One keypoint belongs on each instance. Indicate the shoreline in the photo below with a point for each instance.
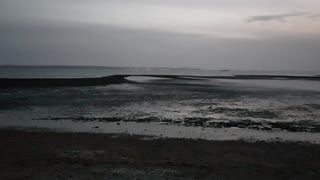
(50, 155)
(160, 130)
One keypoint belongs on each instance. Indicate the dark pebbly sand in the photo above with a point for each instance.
(49, 155)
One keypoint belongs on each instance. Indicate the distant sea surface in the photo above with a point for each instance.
(91, 71)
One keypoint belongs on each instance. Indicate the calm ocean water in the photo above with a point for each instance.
(86, 71)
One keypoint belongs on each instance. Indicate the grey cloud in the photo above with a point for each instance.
(315, 16)
(277, 17)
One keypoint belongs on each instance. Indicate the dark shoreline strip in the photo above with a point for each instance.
(62, 82)
(118, 79)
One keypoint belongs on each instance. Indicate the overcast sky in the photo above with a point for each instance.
(215, 34)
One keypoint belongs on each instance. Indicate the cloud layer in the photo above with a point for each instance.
(278, 17)
(194, 33)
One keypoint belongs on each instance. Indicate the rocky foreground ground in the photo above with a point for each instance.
(49, 155)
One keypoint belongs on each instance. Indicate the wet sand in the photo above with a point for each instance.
(49, 155)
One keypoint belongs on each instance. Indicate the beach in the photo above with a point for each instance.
(50, 155)
(159, 90)
(199, 126)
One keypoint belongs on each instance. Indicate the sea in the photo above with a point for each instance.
(96, 71)
(271, 109)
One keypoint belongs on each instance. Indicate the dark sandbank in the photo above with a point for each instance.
(61, 82)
